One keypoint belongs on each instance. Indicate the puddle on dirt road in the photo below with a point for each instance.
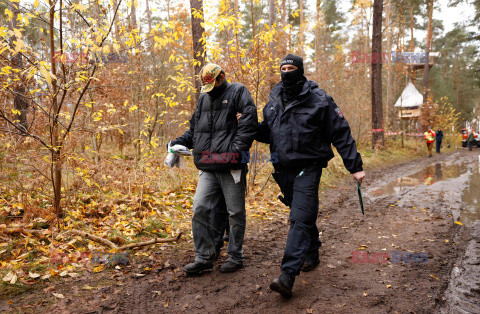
(471, 198)
(470, 213)
(427, 176)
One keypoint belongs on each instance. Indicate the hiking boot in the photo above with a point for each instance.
(311, 261)
(230, 267)
(283, 284)
(196, 267)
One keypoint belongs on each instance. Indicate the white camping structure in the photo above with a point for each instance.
(409, 103)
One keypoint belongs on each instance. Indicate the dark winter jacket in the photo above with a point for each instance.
(303, 132)
(216, 137)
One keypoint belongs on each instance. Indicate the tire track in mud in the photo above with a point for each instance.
(463, 293)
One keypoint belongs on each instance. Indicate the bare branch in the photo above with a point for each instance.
(24, 230)
(67, 130)
(150, 242)
(91, 237)
(94, 238)
(79, 14)
(264, 185)
(23, 132)
(113, 21)
(38, 105)
(38, 170)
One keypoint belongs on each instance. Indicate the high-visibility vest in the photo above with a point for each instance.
(428, 136)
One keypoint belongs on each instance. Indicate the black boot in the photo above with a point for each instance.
(230, 267)
(311, 261)
(283, 284)
(196, 268)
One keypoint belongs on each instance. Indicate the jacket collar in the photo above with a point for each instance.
(306, 90)
(275, 94)
(218, 91)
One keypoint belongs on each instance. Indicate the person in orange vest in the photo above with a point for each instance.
(429, 137)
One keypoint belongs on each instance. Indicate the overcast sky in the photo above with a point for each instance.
(449, 16)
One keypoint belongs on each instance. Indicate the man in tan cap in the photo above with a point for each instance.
(218, 140)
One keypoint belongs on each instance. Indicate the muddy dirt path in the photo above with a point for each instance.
(396, 258)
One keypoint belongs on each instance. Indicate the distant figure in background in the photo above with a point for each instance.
(438, 138)
(470, 140)
(429, 137)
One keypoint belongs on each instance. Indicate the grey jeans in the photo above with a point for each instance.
(211, 186)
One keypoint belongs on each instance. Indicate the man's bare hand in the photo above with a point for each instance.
(358, 176)
(239, 115)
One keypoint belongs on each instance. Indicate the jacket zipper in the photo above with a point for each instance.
(211, 122)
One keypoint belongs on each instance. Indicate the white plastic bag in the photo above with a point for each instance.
(175, 156)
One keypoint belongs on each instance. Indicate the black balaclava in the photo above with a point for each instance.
(217, 91)
(292, 82)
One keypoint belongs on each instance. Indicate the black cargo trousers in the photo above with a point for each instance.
(299, 186)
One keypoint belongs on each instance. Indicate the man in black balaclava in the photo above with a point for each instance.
(300, 123)
(292, 79)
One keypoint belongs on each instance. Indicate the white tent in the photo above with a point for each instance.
(410, 97)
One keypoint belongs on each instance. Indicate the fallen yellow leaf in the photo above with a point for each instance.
(98, 268)
(10, 277)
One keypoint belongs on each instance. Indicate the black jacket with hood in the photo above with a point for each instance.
(303, 131)
(216, 137)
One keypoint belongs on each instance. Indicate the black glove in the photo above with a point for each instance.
(285, 201)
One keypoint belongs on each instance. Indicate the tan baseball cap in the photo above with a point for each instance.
(208, 74)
